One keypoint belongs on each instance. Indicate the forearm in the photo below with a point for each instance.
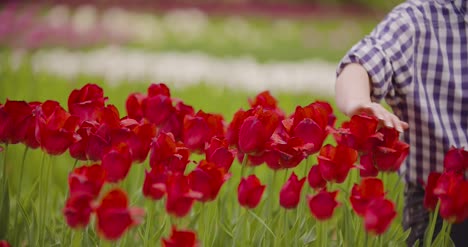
(353, 97)
(352, 89)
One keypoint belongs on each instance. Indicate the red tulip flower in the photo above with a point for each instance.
(256, 131)
(207, 180)
(310, 124)
(199, 129)
(452, 191)
(180, 197)
(363, 194)
(175, 121)
(87, 180)
(250, 191)
(288, 153)
(267, 101)
(117, 162)
(78, 209)
(367, 167)
(4, 243)
(456, 160)
(315, 178)
(114, 217)
(86, 102)
(290, 194)
(133, 106)
(322, 205)
(154, 185)
(218, 152)
(157, 106)
(389, 154)
(379, 215)
(55, 128)
(335, 162)
(359, 133)
(137, 136)
(18, 123)
(180, 239)
(168, 153)
(430, 199)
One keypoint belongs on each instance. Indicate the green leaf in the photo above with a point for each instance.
(310, 236)
(4, 209)
(261, 222)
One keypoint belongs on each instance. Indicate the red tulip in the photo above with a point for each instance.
(180, 197)
(199, 129)
(335, 162)
(363, 194)
(117, 162)
(78, 209)
(379, 215)
(218, 152)
(180, 239)
(267, 101)
(157, 106)
(18, 123)
(232, 133)
(288, 153)
(168, 153)
(456, 160)
(359, 133)
(175, 122)
(315, 178)
(310, 124)
(137, 136)
(323, 204)
(87, 180)
(86, 102)
(367, 168)
(113, 215)
(290, 194)
(4, 243)
(154, 185)
(207, 180)
(55, 128)
(390, 153)
(430, 199)
(250, 191)
(452, 191)
(256, 131)
(133, 106)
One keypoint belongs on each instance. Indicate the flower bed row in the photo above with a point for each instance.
(171, 135)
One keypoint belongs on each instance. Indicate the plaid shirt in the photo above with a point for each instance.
(417, 59)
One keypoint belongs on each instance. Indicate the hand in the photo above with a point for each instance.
(387, 118)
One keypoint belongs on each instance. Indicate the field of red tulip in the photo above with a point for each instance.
(165, 173)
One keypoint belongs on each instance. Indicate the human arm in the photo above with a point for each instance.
(352, 94)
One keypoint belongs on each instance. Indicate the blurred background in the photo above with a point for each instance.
(47, 48)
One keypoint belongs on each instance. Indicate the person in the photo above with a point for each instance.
(417, 60)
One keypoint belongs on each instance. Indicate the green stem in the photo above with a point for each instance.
(20, 184)
(44, 195)
(244, 164)
(40, 226)
(432, 224)
(148, 223)
(5, 165)
(448, 231)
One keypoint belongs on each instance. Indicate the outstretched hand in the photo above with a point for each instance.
(385, 117)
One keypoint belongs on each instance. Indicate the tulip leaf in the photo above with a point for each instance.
(310, 236)
(4, 209)
(261, 222)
